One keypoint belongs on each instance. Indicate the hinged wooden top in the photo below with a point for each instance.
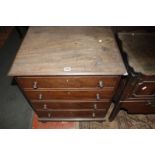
(68, 51)
(140, 49)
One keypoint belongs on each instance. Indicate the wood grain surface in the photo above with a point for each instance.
(143, 107)
(105, 93)
(68, 51)
(72, 114)
(93, 105)
(67, 82)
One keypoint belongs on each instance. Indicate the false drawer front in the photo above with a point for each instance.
(71, 105)
(71, 114)
(144, 89)
(69, 94)
(145, 107)
(67, 82)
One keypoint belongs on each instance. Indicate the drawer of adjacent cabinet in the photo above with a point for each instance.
(70, 94)
(144, 89)
(67, 82)
(72, 114)
(145, 107)
(71, 105)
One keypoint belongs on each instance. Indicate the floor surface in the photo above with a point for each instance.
(14, 110)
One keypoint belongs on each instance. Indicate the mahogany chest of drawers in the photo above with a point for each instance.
(68, 73)
(137, 91)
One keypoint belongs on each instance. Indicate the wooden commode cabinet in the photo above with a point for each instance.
(137, 90)
(68, 73)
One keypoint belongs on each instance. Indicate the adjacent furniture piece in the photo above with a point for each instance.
(136, 92)
(69, 73)
(5, 32)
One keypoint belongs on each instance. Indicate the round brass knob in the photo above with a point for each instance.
(101, 84)
(40, 96)
(95, 106)
(93, 114)
(97, 96)
(45, 106)
(35, 85)
(49, 115)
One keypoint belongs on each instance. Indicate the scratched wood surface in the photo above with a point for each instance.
(140, 49)
(68, 51)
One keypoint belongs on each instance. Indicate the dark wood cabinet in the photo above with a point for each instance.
(69, 73)
(137, 91)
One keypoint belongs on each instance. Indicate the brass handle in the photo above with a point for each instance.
(45, 106)
(40, 96)
(93, 114)
(49, 115)
(35, 85)
(95, 106)
(101, 84)
(97, 96)
(144, 87)
(140, 83)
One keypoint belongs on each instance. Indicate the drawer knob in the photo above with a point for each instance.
(35, 85)
(95, 106)
(93, 114)
(101, 84)
(97, 96)
(45, 106)
(40, 96)
(49, 115)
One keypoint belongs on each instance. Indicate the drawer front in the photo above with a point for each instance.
(67, 82)
(69, 95)
(145, 107)
(70, 105)
(143, 89)
(71, 114)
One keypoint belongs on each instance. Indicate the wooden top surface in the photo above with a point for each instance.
(140, 49)
(68, 51)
